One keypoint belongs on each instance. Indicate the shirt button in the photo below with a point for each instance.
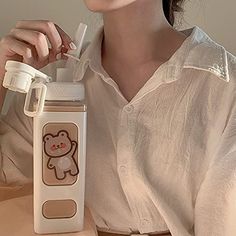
(123, 170)
(129, 108)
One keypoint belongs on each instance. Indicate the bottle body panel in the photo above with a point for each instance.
(59, 171)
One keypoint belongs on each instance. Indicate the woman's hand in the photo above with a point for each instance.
(34, 42)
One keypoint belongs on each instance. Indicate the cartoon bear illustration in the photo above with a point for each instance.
(60, 150)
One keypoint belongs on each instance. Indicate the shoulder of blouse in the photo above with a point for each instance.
(200, 52)
(203, 53)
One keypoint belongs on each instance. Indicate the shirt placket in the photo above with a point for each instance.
(126, 164)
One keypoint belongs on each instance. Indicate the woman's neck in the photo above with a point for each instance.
(139, 33)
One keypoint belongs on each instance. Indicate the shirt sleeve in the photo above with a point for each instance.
(215, 206)
(16, 143)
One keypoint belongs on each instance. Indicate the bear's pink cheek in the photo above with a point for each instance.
(63, 145)
(53, 147)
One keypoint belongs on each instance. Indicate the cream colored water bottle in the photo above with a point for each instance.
(59, 159)
(59, 146)
(59, 141)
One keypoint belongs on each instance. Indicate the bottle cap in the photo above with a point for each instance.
(18, 76)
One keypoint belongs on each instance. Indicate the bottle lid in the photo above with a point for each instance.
(65, 91)
(18, 76)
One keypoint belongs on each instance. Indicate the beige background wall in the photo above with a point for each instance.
(216, 17)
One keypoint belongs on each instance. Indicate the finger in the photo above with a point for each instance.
(46, 27)
(12, 46)
(64, 50)
(53, 57)
(57, 37)
(35, 38)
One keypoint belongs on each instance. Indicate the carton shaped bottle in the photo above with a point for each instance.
(59, 159)
(59, 146)
(60, 120)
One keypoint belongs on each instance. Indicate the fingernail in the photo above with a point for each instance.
(28, 54)
(72, 46)
(58, 56)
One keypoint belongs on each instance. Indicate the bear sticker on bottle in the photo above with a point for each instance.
(60, 153)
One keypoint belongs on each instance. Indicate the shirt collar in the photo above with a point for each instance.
(198, 51)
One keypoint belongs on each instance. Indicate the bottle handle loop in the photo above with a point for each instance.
(31, 108)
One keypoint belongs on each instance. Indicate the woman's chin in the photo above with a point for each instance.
(106, 5)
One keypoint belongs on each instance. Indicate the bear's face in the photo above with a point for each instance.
(58, 145)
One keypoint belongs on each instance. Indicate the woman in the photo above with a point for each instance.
(160, 151)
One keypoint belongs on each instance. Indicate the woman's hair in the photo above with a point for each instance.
(171, 6)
